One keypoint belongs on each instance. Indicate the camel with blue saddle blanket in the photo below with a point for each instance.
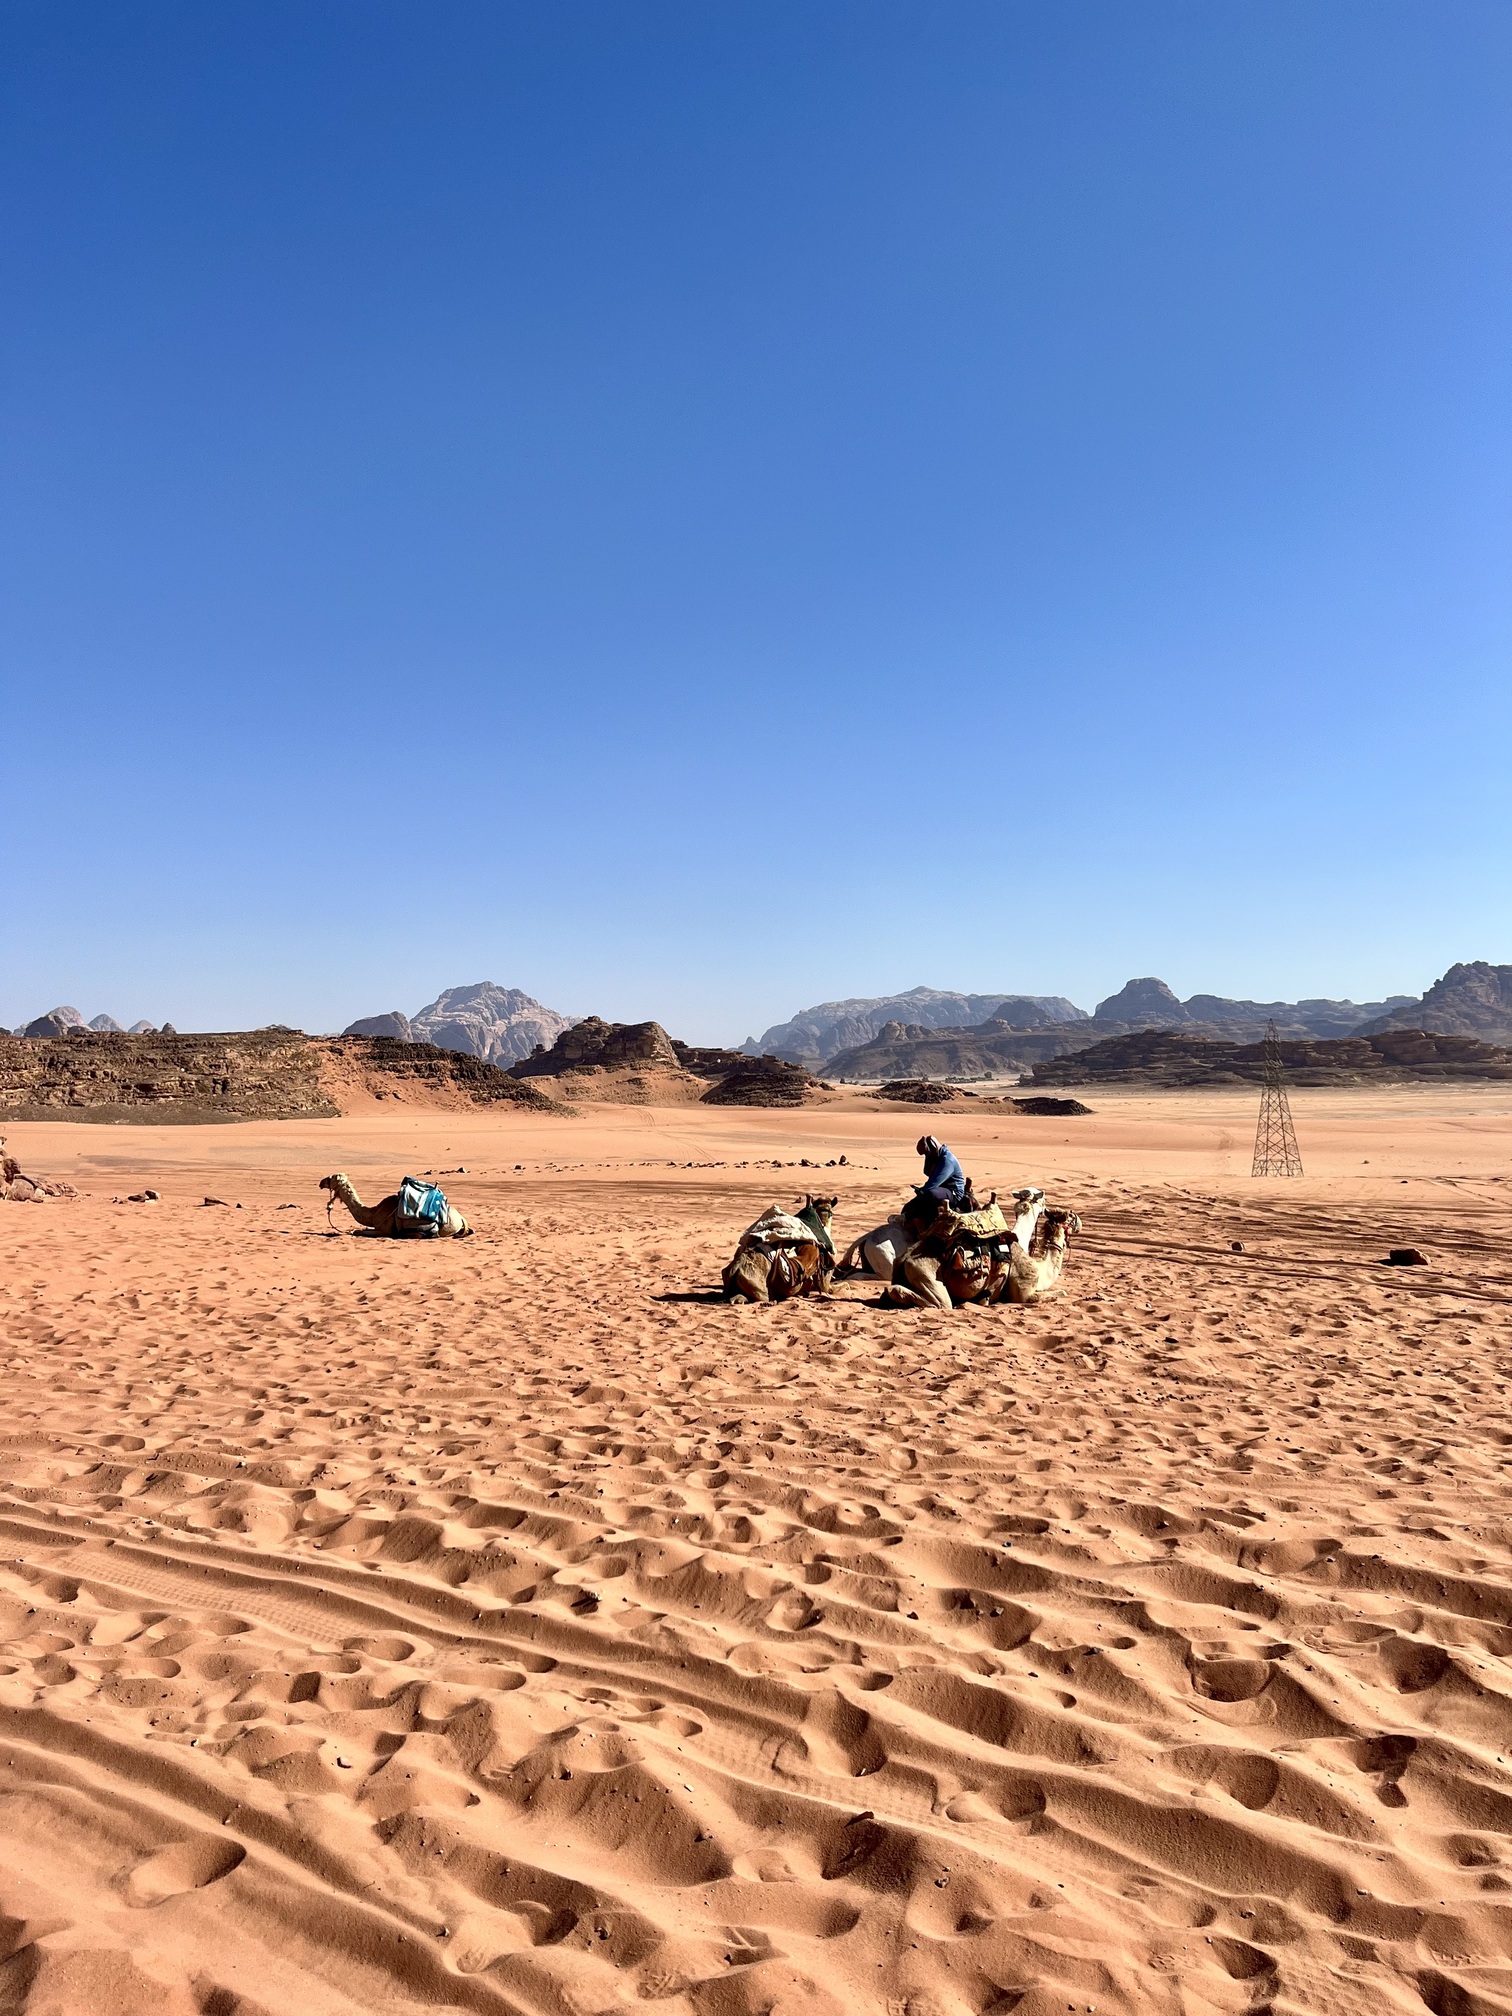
(417, 1210)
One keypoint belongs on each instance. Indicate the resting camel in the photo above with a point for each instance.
(878, 1251)
(945, 1269)
(380, 1217)
(784, 1254)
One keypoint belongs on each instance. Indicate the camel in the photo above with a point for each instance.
(1034, 1268)
(879, 1251)
(381, 1217)
(944, 1270)
(784, 1254)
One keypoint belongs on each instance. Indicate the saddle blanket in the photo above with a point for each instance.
(988, 1224)
(776, 1227)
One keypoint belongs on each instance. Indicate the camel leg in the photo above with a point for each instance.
(923, 1275)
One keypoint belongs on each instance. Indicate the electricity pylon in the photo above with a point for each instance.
(1276, 1151)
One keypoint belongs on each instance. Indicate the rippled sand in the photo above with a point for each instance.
(509, 1626)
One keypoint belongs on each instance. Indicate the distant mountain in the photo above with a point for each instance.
(1150, 1004)
(816, 1034)
(499, 1024)
(396, 1024)
(56, 1022)
(991, 1049)
(1012, 1040)
(1172, 1057)
(1470, 1000)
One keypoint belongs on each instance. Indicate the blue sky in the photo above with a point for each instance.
(696, 509)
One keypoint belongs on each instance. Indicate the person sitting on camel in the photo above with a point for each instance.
(944, 1183)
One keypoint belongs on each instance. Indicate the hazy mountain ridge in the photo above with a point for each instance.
(1020, 1030)
(1151, 1004)
(816, 1034)
(59, 1021)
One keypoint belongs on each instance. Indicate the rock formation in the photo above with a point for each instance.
(762, 1081)
(56, 1022)
(1473, 999)
(499, 1024)
(269, 1074)
(395, 1024)
(596, 1045)
(1175, 1058)
(1142, 1004)
(816, 1034)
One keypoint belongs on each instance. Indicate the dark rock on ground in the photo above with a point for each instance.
(916, 1092)
(762, 1081)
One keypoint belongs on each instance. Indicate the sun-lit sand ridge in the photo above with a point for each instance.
(505, 1627)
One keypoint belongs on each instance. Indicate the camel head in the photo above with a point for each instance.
(823, 1208)
(1055, 1227)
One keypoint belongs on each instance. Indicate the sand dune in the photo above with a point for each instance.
(512, 1627)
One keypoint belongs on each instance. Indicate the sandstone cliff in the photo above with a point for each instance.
(263, 1074)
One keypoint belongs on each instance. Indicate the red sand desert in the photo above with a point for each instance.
(507, 1626)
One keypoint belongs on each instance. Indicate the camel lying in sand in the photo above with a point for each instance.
(879, 1251)
(784, 1254)
(382, 1216)
(944, 1270)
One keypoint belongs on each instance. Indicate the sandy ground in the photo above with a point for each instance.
(510, 1626)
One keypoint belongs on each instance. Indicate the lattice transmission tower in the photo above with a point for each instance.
(1276, 1151)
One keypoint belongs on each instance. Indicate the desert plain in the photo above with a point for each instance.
(511, 1626)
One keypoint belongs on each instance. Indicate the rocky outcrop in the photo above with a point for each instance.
(56, 1022)
(1142, 1004)
(395, 1025)
(708, 1063)
(1172, 1057)
(261, 1074)
(1473, 999)
(763, 1081)
(106, 1025)
(596, 1045)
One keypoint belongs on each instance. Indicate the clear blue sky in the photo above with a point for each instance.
(695, 509)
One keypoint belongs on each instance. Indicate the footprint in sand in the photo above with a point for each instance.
(182, 1865)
